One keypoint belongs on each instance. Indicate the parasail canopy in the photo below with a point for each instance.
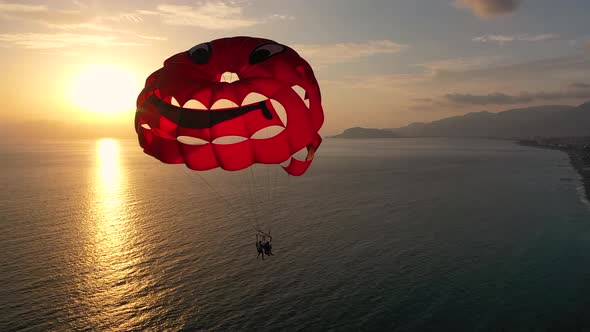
(231, 103)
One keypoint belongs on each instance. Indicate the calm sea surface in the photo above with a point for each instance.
(392, 235)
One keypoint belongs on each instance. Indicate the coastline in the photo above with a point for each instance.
(577, 149)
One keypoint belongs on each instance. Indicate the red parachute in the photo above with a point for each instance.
(231, 103)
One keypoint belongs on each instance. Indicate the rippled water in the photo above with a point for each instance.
(404, 235)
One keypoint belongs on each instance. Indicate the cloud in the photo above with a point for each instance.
(40, 14)
(62, 40)
(80, 22)
(71, 27)
(21, 8)
(490, 75)
(488, 8)
(210, 15)
(499, 98)
(569, 68)
(461, 64)
(327, 54)
(579, 85)
(282, 17)
(502, 39)
(98, 25)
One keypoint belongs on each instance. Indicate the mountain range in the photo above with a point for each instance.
(546, 121)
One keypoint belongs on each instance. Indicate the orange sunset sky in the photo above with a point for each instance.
(78, 65)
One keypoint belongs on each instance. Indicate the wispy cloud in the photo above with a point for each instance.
(422, 100)
(570, 68)
(79, 25)
(41, 14)
(75, 27)
(499, 98)
(462, 64)
(327, 54)
(488, 8)
(282, 17)
(503, 39)
(100, 25)
(493, 76)
(62, 40)
(210, 15)
(21, 8)
(580, 85)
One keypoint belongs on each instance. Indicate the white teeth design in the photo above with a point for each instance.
(253, 98)
(229, 77)
(268, 132)
(301, 92)
(146, 126)
(189, 140)
(195, 105)
(229, 140)
(281, 112)
(301, 155)
(223, 103)
(174, 102)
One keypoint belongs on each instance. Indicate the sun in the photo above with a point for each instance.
(103, 88)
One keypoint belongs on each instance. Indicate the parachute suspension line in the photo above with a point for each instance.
(271, 193)
(273, 176)
(269, 188)
(187, 172)
(253, 195)
(231, 206)
(272, 205)
(202, 179)
(250, 184)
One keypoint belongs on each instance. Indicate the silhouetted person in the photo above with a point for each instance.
(259, 248)
(268, 249)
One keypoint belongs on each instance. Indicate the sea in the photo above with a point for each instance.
(424, 234)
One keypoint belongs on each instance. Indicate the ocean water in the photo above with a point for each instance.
(379, 235)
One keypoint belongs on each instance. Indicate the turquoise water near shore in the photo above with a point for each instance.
(386, 234)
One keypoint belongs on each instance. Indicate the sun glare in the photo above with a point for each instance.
(108, 161)
(105, 89)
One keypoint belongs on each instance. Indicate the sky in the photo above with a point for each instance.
(379, 63)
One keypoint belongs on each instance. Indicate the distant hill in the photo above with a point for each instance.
(549, 120)
(358, 132)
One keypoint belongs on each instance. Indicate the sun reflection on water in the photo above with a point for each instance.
(109, 196)
(111, 286)
(107, 160)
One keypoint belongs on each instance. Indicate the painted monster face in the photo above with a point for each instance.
(230, 103)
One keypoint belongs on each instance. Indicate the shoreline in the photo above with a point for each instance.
(578, 152)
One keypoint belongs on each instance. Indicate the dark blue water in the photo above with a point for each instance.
(393, 235)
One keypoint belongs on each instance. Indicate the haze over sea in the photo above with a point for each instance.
(392, 234)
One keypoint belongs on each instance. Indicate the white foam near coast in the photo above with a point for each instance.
(581, 189)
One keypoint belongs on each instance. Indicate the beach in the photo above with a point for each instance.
(578, 149)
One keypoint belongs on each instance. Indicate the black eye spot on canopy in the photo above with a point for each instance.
(265, 51)
(201, 53)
